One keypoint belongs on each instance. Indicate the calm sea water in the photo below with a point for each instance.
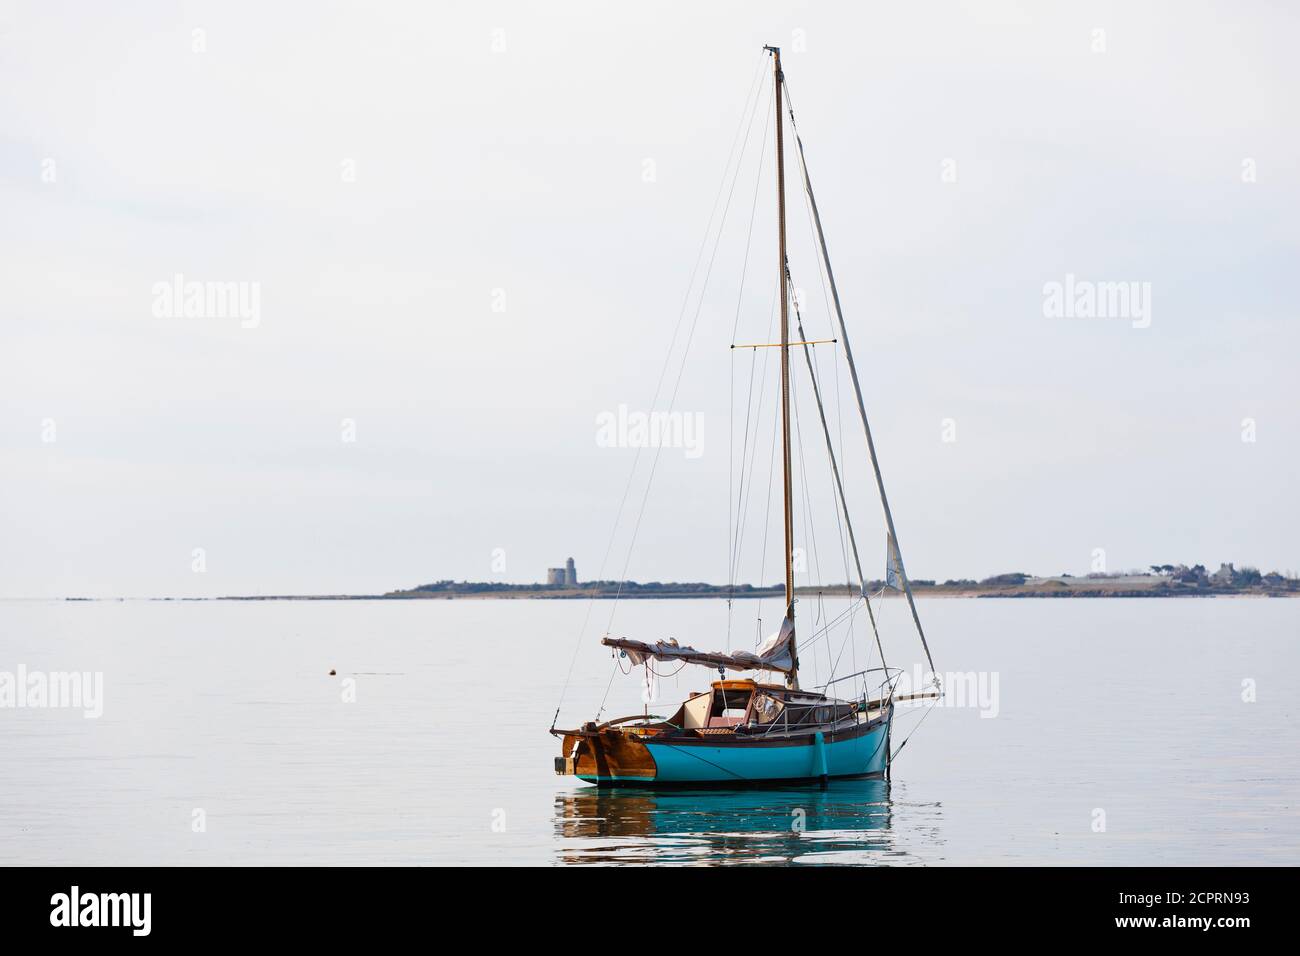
(1127, 712)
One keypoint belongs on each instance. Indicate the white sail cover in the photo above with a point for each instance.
(893, 565)
(772, 655)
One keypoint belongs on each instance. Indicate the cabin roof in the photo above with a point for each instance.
(741, 683)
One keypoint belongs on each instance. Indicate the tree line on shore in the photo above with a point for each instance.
(1168, 577)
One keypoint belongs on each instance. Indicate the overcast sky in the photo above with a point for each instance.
(472, 227)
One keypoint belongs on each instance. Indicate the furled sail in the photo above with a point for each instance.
(772, 655)
(894, 574)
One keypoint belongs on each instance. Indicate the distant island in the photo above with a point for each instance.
(1160, 580)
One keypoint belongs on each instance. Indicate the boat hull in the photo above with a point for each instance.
(742, 762)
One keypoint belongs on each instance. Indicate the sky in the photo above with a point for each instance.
(471, 230)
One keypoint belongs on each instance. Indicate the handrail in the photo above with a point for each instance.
(799, 730)
(869, 670)
(623, 720)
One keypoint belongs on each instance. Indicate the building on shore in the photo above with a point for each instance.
(565, 577)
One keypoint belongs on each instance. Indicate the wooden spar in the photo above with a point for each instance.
(839, 485)
(777, 345)
(664, 651)
(857, 386)
(792, 679)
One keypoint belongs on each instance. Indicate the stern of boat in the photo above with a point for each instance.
(605, 756)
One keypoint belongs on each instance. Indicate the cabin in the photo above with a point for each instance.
(748, 707)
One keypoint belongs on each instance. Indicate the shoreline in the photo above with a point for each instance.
(1025, 593)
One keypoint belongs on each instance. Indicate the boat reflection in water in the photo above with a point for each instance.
(848, 821)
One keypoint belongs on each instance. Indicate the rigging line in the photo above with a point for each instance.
(742, 515)
(618, 517)
(680, 667)
(677, 383)
(604, 697)
(912, 733)
(839, 522)
(839, 430)
(814, 369)
(826, 633)
(731, 431)
(815, 373)
(821, 269)
(883, 604)
(857, 389)
(839, 424)
(830, 625)
(838, 657)
(805, 507)
(839, 484)
(687, 750)
(742, 506)
(742, 491)
(767, 523)
(753, 211)
(810, 532)
(821, 613)
(740, 293)
(754, 408)
(808, 210)
(853, 646)
(821, 277)
(839, 433)
(738, 476)
(884, 739)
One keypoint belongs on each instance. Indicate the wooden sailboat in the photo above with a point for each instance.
(750, 731)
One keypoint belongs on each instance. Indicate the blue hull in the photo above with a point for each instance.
(750, 762)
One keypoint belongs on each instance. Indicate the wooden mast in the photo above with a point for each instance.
(792, 679)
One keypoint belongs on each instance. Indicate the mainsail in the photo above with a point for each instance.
(774, 654)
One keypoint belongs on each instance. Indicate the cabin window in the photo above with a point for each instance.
(801, 714)
(730, 703)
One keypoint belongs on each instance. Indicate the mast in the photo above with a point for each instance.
(857, 386)
(792, 679)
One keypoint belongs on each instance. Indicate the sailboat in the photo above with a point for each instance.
(748, 731)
